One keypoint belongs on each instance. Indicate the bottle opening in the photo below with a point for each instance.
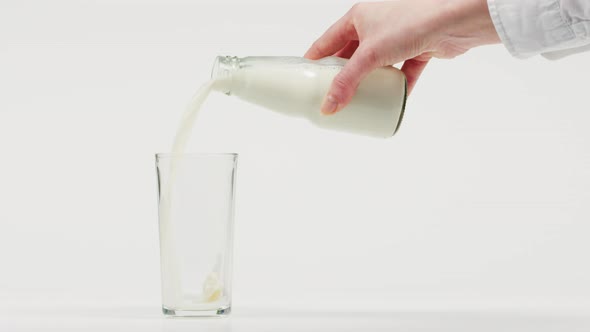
(223, 68)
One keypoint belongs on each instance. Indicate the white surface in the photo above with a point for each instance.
(479, 202)
(118, 317)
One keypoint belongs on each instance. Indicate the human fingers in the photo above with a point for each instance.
(348, 50)
(334, 39)
(347, 80)
(413, 68)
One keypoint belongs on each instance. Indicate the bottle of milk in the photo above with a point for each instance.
(297, 86)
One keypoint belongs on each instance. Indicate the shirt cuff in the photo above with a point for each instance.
(556, 55)
(531, 27)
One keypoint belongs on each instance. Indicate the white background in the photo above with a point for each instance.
(480, 202)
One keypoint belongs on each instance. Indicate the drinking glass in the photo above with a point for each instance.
(196, 213)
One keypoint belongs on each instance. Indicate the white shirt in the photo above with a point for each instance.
(553, 28)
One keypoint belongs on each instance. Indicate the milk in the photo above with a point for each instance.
(189, 117)
(290, 86)
(170, 267)
(296, 87)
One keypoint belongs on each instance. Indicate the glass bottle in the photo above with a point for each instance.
(296, 87)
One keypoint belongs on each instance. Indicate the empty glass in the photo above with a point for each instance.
(196, 208)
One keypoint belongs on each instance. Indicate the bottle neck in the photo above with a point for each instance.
(223, 69)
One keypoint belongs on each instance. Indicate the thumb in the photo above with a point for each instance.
(347, 80)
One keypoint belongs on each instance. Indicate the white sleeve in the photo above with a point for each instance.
(553, 28)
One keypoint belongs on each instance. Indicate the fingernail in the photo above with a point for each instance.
(330, 105)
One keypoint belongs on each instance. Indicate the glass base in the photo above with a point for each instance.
(219, 312)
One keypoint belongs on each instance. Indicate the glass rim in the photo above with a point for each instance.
(195, 154)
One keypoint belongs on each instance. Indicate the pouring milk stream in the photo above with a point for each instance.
(294, 87)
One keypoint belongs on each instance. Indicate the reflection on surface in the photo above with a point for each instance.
(244, 319)
(455, 321)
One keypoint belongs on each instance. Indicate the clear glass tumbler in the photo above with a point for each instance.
(196, 213)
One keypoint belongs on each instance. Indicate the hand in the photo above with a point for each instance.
(379, 34)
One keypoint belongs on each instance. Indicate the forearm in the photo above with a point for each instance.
(469, 20)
